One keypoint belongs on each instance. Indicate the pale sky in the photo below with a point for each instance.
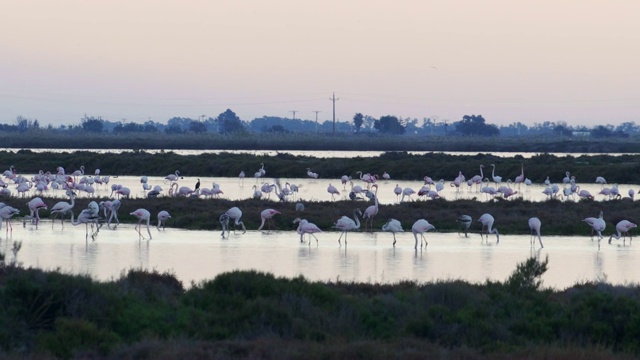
(513, 60)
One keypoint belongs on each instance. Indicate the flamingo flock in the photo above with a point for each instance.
(78, 182)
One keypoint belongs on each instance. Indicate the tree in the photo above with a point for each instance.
(601, 132)
(475, 125)
(358, 120)
(229, 122)
(91, 124)
(389, 125)
(197, 127)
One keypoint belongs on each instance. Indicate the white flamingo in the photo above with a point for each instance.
(487, 223)
(393, 226)
(420, 227)
(345, 224)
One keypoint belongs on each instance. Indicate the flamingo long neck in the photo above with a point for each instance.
(493, 171)
(355, 217)
(481, 175)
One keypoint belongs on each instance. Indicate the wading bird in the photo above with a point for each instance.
(622, 229)
(487, 223)
(420, 227)
(305, 227)
(267, 217)
(345, 224)
(534, 225)
(142, 215)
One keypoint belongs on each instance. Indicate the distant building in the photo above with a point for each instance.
(581, 133)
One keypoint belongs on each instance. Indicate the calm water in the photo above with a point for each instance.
(312, 153)
(314, 189)
(200, 255)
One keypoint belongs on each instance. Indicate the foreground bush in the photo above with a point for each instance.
(149, 315)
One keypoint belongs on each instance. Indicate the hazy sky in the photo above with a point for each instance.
(528, 61)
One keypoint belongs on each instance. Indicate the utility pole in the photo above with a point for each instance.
(294, 113)
(445, 127)
(316, 111)
(333, 99)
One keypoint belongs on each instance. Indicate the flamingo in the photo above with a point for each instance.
(6, 213)
(477, 179)
(241, 177)
(154, 192)
(235, 214)
(398, 191)
(111, 208)
(90, 215)
(163, 216)
(344, 180)
(496, 179)
(420, 227)
(622, 228)
(173, 177)
(260, 173)
(305, 227)
(77, 173)
(311, 174)
(267, 217)
(371, 211)
(465, 221)
(487, 223)
(386, 176)
(224, 222)
(393, 226)
(534, 225)
(600, 180)
(567, 178)
(345, 224)
(520, 178)
(597, 225)
(62, 208)
(142, 215)
(407, 192)
(257, 194)
(34, 206)
(333, 191)
(356, 189)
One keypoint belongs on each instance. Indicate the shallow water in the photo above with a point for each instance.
(314, 189)
(371, 258)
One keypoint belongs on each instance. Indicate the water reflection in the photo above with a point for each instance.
(194, 256)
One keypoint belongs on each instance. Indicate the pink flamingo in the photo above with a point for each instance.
(622, 228)
(371, 211)
(520, 178)
(35, 205)
(142, 215)
(62, 208)
(305, 227)
(6, 213)
(267, 217)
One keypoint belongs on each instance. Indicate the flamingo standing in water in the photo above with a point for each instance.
(6, 213)
(597, 225)
(520, 178)
(371, 211)
(333, 191)
(622, 229)
(465, 221)
(393, 226)
(496, 179)
(305, 227)
(163, 216)
(142, 215)
(487, 223)
(62, 208)
(267, 217)
(235, 214)
(311, 174)
(345, 224)
(173, 177)
(534, 225)
(420, 227)
(34, 206)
